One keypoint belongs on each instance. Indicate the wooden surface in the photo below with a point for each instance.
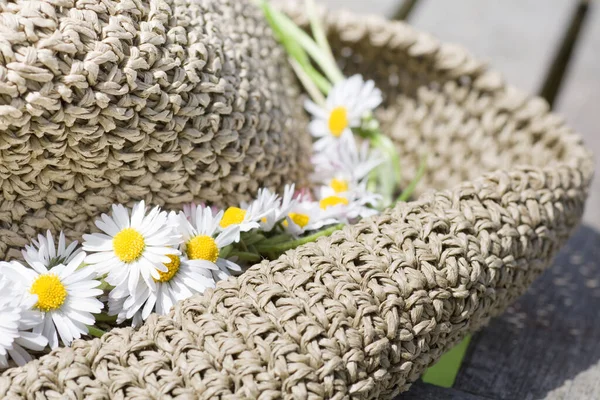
(423, 391)
(387, 8)
(517, 37)
(580, 100)
(547, 345)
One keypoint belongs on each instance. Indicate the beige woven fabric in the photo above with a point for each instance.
(170, 101)
(362, 313)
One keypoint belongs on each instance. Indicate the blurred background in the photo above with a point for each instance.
(546, 345)
(545, 47)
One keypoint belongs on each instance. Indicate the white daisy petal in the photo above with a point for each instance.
(15, 323)
(318, 128)
(149, 306)
(49, 331)
(121, 216)
(107, 225)
(171, 285)
(97, 242)
(202, 264)
(32, 341)
(72, 266)
(19, 355)
(221, 262)
(64, 333)
(315, 110)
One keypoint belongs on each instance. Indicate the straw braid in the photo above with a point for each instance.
(359, 314)
(362, 313)
(117, 101)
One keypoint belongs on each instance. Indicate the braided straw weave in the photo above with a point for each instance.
(362, 313)
(105, 101)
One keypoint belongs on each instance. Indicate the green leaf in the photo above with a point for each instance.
(95, 332)
(444, 372)
(313, 89)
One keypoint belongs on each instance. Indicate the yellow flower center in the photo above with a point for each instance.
(50, 291)
(232, 216)
(339, 185)
(332, 201)
(338, 121)
(128, 245)
(299, 219)
(202, 247)
(172, 268)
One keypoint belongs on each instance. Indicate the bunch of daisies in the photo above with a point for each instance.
(142, 260)
(342, 110)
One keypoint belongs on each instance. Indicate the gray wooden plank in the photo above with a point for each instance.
(546, 345)
(423, 391)
(580, 100)
(518, 37)
(387, 8)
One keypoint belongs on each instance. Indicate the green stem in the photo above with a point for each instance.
(312, 88)
(95, 332)
(105, 285)
(319, 80)
(304, 69)
(225, 251)
(406, 193)
(280, 248)
(388, 173)
(317, 30)
(286, 27)
(109, 319)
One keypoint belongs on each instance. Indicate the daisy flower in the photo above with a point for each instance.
(183, 279)
(66, 297)
(307, 216)
(16, 321)
(44, 251)
(131, 246)
(344, 108)
(249, 216)
(203, 240)
(279, 209)
(346, 166)
(350, 204)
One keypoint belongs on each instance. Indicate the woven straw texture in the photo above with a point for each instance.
(107, 101)
(362, 313)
